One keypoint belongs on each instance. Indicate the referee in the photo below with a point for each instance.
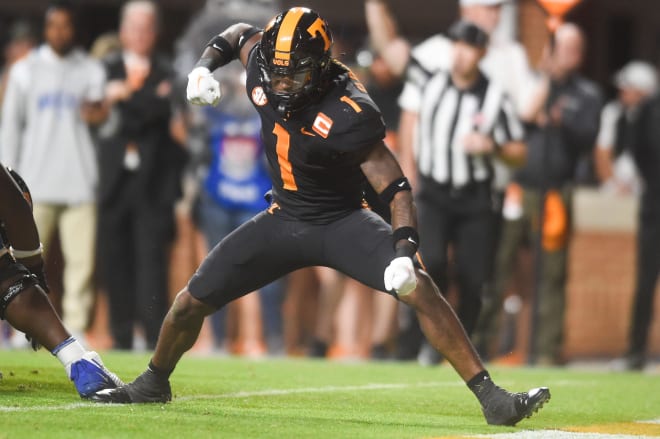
(464, 123)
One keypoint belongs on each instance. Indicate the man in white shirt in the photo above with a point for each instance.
(615, 165)
(52, 96)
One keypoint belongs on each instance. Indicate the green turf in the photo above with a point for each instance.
(232, 398)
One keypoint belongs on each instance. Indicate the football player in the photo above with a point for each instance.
(324, 138)
(23, 300)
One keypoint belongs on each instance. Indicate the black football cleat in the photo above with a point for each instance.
(506, 408)
(146, 388)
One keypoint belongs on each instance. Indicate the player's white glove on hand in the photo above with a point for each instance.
(202, 88)
(400, 276)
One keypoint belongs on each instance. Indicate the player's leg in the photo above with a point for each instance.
(257, 253)
(45, 217)
(444, 331)
(27, 308)
(361, 247)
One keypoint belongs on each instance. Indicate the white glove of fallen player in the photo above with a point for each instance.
(202, 88)
(400, 276)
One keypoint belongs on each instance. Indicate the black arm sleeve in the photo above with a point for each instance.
(226, 47)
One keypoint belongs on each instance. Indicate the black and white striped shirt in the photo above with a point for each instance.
(446, 115)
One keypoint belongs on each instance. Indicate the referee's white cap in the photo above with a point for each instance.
(481, 2)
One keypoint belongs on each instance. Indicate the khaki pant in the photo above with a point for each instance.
(552, 284)
(76, 225)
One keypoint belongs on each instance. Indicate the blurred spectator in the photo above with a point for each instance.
(384, 87)
(51, 97)
(21, 41)
(214, 15)
(505, 61)
(646, 150)
(463, 122)
(615, 165)
(139, 180)
(563, 120)
(229, 168)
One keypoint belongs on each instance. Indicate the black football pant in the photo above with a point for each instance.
(269, 246)
(648, 270)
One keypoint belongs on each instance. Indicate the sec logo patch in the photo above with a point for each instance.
(259, 96)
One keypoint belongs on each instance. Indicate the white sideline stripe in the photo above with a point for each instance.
(270, 392)
(241, 394)
(326, 389)
(557, 434)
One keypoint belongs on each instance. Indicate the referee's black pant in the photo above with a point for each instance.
(462, 219)
(648, 270)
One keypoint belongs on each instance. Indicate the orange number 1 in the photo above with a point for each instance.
(283, 144)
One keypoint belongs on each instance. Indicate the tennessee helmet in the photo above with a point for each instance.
(294, 57)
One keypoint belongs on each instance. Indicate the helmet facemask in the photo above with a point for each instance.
(292, 89)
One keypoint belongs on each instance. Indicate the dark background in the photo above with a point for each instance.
(617, 30)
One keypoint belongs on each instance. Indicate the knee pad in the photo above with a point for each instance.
(24, 281)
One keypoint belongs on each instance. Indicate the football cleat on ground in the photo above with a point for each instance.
(506, 408)
(145, 388)
(89, 375)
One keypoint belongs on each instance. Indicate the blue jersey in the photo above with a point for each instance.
(237, 176)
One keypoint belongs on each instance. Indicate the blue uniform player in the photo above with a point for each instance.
(23, 300)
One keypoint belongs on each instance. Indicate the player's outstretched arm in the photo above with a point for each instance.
(385, 176)
(233, 43)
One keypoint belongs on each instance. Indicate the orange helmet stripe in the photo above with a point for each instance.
(285, 34)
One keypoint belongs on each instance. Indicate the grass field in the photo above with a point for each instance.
(288, 398)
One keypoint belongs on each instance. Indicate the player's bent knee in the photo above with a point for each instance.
(186, 307)
(425, 292)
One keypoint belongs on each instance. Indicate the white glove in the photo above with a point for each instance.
(400, 276)
(202, 88)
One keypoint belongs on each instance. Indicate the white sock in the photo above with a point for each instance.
(69, 351)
